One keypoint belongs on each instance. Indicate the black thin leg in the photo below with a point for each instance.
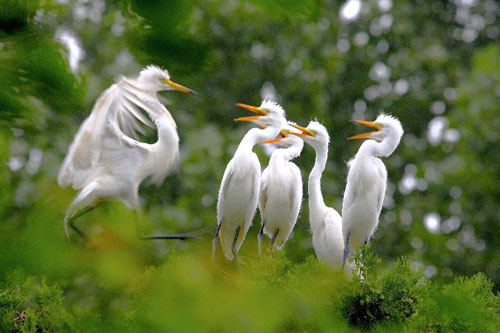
(77, 230)
(214, 242)
(259, 236)
(184, 236)
(346, 248)
(71, 221)
(233, 246)
(276, 232)
(180, 236)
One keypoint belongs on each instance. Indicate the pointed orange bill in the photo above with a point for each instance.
(272, 140)
(249, 118)
(360, 136)
(305, 131)
(370, 124)
(251, 108)
(178, 87)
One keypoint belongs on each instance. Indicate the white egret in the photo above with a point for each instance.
(239, 190)
(280, 190)
(106, 159)
(326, 223)
(366, 180)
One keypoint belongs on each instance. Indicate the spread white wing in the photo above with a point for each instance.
(96, 145)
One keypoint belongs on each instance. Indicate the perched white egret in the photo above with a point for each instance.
(326, 223)
(106, 159)
(366, 180)
(280, 190)
(239, 190)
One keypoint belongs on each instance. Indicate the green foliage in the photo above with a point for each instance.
(364, 262)
(189, 292)
(466, 305)
(14, 14)
(163, 32)
(31, 305)
(399, 287)
(373, 299)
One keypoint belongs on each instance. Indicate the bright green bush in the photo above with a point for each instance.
(32, 305)
(466, 305)
(372, 299)
(190, 293)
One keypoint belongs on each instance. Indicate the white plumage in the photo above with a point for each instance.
(239, 190)
(326, 223)
(106, 159)
(366, 181)
(281, 191)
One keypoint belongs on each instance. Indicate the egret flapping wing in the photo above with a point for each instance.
(132, 115)
(111, 156)
(83, 153)
(120, 104)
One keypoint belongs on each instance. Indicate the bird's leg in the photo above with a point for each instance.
(69, 220)
(276, 232)
(259, 236)
(233, 246)
(346, 248)
(75, 228)
(182, 236)
(214, 241)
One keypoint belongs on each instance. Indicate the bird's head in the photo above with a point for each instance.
(156, 79)
(288, 137)
(268, 114)
(315, 134)
(384, 126)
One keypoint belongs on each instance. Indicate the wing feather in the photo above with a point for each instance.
(83, 153)
(119, 103)
(263, 191)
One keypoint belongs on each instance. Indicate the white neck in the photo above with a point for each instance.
(256, 135)
(286, 154)
(379, 149)
(316, 202)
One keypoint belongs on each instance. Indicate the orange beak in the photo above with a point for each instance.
(272, 141)
(249, 118)
(370, 124)
(178, 87)
(305, 131)
(250, 108)
(282, 135)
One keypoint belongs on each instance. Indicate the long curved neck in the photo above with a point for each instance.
(316, 202)
(286, 154)
(379, 149)
(256, 135)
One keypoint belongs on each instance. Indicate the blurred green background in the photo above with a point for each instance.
(433, 64)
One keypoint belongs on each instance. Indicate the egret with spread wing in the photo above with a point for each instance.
(280, 190)
(326, 223)
(239, 190)
(106, 159)
(366, 180)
